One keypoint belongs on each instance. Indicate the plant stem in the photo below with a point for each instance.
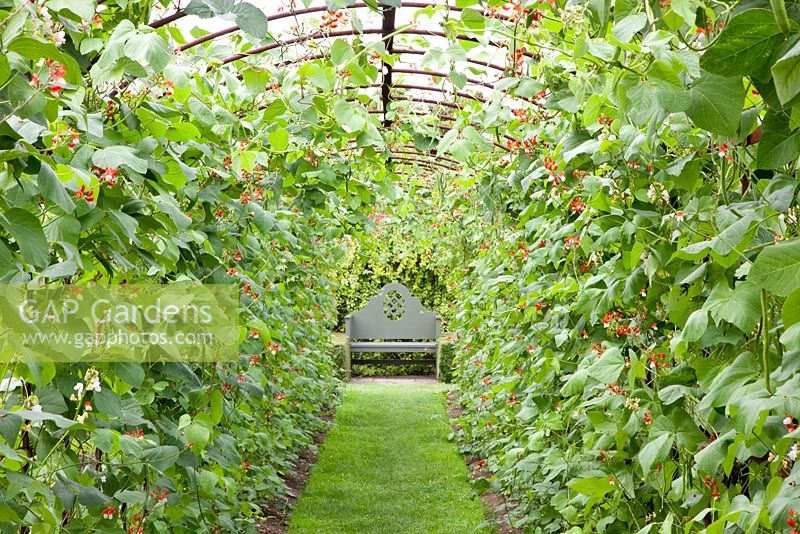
(781, 17)
(765, 338)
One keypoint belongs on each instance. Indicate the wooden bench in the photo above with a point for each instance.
(393, 314)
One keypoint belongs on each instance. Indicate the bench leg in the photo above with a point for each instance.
(348, 364)
(438, 358)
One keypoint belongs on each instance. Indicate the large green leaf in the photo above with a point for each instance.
(745, 45)
(27, 231)
(161, 457)
(709, 459)
(740, 306)
(52, 188)
(786, 74)
(695, 326)
(116, 156)
(608, 367)
(111, 63)
(716, 103)
(594, 486)
(249, 18)
(149, 49)
(655, 451)
(791, 337)
(625, 29)
(791, 309)
(34, 49)
(279, 140)
(32, 415)
(777, 268)
(5, 69)
(83, 8)
(778, 145)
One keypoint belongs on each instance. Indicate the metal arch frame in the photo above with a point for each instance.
(424, 162)
(435, 74)
(414, 152)
(428, 155)
(411, 51)
(432, 74)
(439, 117)
(415, 87)
(395, 51)
(446, 118)
(429, 165)
(292, 13)
(352, 33)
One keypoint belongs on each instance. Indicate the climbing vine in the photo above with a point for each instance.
(617, 246)
(629, 318)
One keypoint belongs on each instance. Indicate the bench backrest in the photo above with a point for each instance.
(394, 313)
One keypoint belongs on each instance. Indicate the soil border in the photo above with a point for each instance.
(498, 507)
(277, 512)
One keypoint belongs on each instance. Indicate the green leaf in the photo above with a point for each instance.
(791, 337)
(710, 458)
(593, 486)
(744, 46)
(116, 156)
(655, 451)
(53, 190)
(5, 69)
(27, 231)
(459, 79)
(626, 28)
(686, 9)
(131, 496)
(184, 131)
(30, 415)
(59, 270)
(729, 380)
(786, 74)
(740, 306)
(216, 404)
(34, 49)
(131, 373)
(42, 372)
(348, 117)
(716, 103)
(673, 393)
(108, 403)
(106, 440)
(161, 457)
(83, 8)
(201, 112)
(777, 268)
(149, 49)
(279, 140)
(791, 309)
(251, 20)
(695, 326)
(607, 368)
(341, 52)
(778, 145)
(111, 63)
(198, 435)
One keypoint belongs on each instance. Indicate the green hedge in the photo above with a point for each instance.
(390, 254)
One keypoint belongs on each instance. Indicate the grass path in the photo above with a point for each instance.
(386, 467)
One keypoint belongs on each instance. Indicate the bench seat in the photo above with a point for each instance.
(394, 346)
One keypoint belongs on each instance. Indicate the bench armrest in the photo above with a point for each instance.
(438, 326)
(347, 322)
